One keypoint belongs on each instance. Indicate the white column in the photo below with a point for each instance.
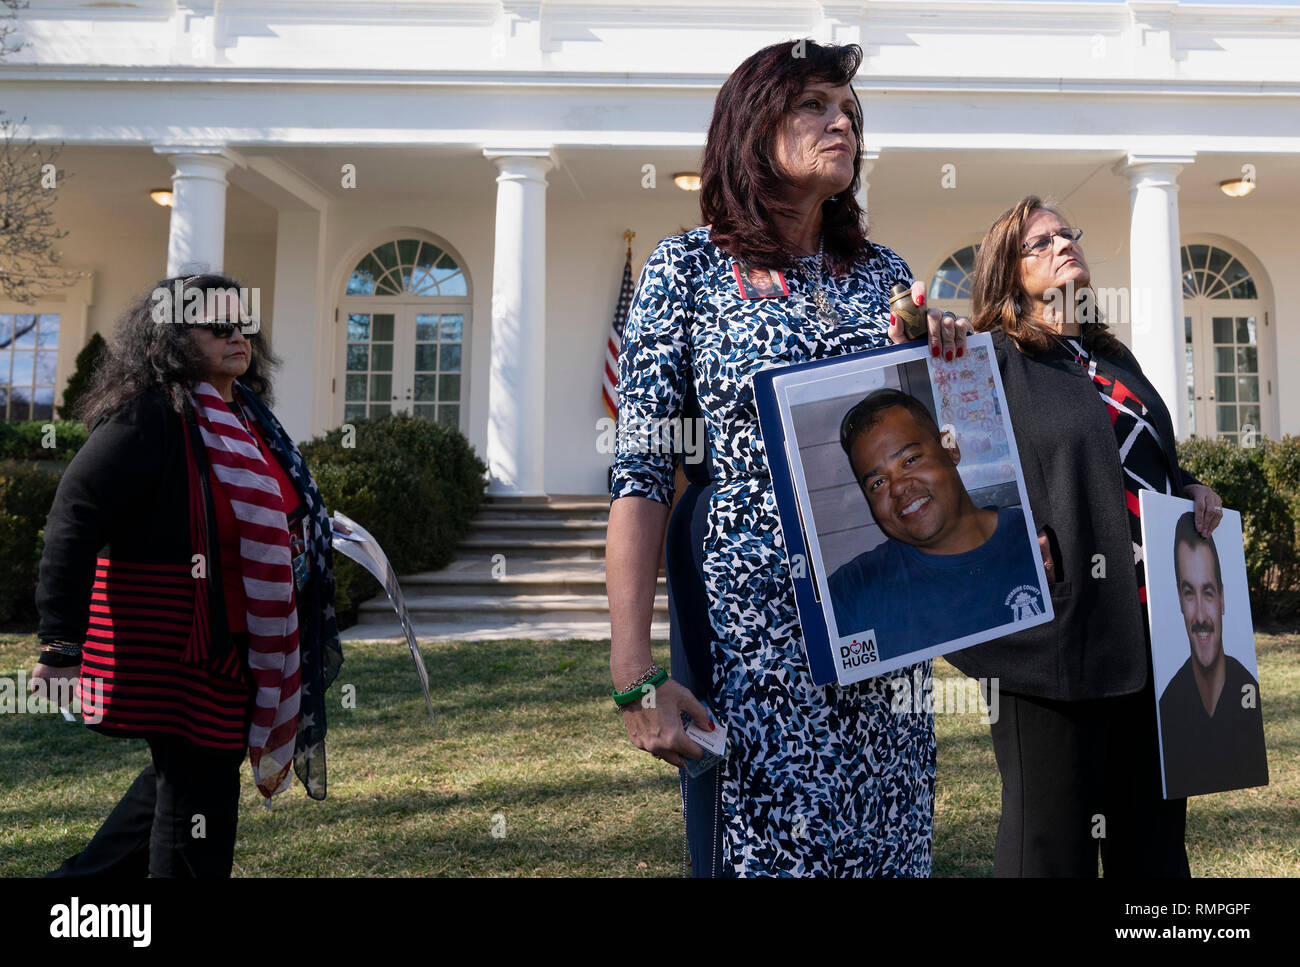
(304, 326)
(197, 238)
(1155, 276)
(869, 158)
(517, 381)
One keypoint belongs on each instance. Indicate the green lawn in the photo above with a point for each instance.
(526, 771)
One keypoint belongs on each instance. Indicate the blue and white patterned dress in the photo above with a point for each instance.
(819, 781)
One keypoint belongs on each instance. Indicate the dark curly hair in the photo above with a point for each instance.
(740, 186)
(150, 351)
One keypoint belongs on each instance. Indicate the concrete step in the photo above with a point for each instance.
(540, 627)
(547, 530)
(484, 521)
(555, 582)
(428, 606)
(532, 556)
(597, 506)
(504, 545)
(545, 512)
(527, 559)
(553, 587)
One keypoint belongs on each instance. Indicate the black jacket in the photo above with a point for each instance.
(125, 496)
(1096, 646)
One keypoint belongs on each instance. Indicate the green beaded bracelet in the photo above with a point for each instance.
(654, 676)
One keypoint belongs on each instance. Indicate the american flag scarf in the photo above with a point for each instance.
(267, 566)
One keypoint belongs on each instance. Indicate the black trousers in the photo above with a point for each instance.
(177, 819)
(1083, 777)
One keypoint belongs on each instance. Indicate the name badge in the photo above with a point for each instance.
(300, 548)
(756, 283)
(301, 569)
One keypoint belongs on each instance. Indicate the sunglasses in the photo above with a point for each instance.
(1039, 243)
(222, 330)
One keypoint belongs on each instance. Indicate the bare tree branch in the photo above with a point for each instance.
(29, 263)
(9, 27)
(18, 333)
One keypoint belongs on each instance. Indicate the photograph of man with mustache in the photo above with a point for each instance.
(947, 568)
(1211, 727)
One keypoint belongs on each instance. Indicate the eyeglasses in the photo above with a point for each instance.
(1037, 244)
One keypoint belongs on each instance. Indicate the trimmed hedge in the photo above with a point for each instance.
(26, 439)
(1263, 483)
(90, 358)
(415, 485)
(26, 493)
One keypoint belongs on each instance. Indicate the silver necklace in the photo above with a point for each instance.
(827, 317)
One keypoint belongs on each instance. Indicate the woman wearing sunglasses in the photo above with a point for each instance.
(187, 582)
(1075, 737)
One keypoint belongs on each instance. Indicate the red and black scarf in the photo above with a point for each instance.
(1141, 456)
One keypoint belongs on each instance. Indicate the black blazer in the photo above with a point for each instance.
(1096, 646)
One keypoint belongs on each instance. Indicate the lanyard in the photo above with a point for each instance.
(1081, 356)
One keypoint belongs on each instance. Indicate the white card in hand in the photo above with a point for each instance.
(715, 741)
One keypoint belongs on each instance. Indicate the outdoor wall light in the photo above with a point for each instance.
(162, 196)
(1237, 187)
(687, 181)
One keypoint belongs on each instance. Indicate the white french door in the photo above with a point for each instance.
(403, 359)
(1226, 391)
(1228, 349)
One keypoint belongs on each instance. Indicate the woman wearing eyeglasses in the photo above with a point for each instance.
(1075, 737)
(187, 582)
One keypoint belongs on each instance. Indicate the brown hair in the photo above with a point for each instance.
(740, 186)
(997, 297)
(1185, 532)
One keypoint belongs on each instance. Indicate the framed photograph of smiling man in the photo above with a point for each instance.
(902, 506)
(1202, 651)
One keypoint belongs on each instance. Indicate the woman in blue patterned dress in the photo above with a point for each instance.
(818, 781)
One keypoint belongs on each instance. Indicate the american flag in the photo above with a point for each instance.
(609, 383)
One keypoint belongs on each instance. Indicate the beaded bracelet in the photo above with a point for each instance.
(69, 648)
(59, 654)
(654, 676)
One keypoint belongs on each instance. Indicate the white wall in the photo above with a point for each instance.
(127, 257)
(584, 273)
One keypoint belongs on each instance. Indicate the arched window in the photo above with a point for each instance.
(407, 266)
(1212, 273)
(406, 310)
(952, 280)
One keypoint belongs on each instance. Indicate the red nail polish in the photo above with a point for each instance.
(891, 319)
(960, 351)
(921, 300)
(948, 355)
(934, 350)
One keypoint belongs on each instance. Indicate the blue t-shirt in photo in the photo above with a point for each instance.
(913, 600)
